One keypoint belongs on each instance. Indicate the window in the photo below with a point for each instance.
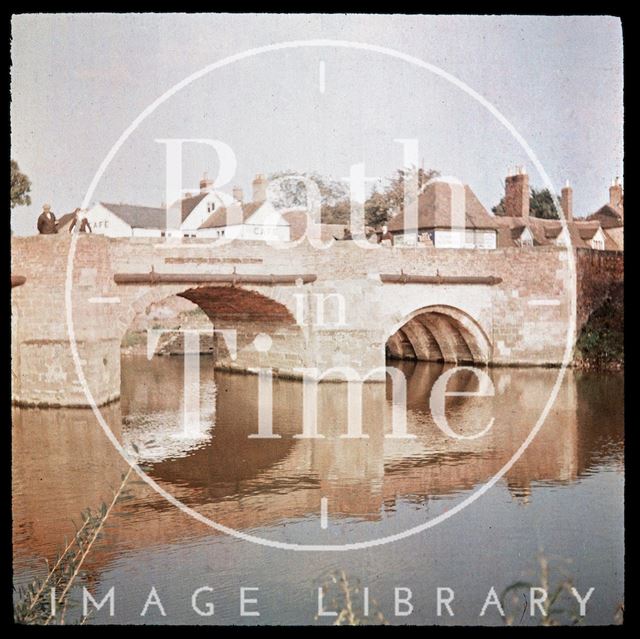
(257, 230)
(597, 243)
(211, 207)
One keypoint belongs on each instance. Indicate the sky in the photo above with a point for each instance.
(78, 81)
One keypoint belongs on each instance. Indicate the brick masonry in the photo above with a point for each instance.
(523, 319)
(597, 273)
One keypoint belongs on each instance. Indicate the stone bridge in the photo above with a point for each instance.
(344, 306)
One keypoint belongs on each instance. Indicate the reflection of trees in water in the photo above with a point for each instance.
(600, 417)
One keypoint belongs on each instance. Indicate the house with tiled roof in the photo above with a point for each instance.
(516, 227)
(131, 220)
(257, 220)
(449, 215)
(611, 215)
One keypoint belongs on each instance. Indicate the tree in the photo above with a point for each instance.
(20, 187)
(334, 195)
(380, 206)
(540, 205)
(376, 209)
(395, 191)
(335, 204)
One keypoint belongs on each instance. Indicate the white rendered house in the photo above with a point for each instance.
(258, 220)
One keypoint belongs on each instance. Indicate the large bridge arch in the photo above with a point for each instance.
(219, 302)
(249, 311)
(439, 333)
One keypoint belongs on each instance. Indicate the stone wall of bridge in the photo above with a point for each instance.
(524, 317)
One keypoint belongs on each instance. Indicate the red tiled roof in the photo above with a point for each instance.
(613, 239)
(608, 216)
(587, 232)
(545, 232)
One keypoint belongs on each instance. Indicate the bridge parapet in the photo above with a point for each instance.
(339, 309)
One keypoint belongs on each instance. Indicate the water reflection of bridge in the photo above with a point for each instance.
(61, 465)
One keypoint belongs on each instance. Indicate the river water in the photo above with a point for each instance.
(554, 519)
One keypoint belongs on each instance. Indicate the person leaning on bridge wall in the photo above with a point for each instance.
(47, 221)
(346, 235)
(83, 227)
(385, 236)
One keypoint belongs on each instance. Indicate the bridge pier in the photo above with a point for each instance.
(44, 373)
(43, 367)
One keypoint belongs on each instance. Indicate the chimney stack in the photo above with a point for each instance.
(566, 201)
(615, 195)
(516, 194)
(206, 185)
(237, 193)
(260, 188)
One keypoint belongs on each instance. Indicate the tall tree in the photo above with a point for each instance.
(394, 192)
(540, 205)
(334, 194)
(20, 186)
(377, 209)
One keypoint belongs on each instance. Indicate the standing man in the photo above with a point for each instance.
(47, 221)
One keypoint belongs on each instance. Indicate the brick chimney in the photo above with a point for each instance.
(516, 194)
(615, 195)
(260, 188)
(566, 201)
(206, 184)
(237, 193)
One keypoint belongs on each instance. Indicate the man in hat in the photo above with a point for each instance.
(47, 221)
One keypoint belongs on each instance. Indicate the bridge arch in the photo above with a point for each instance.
(439, 333)
(249, 310)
